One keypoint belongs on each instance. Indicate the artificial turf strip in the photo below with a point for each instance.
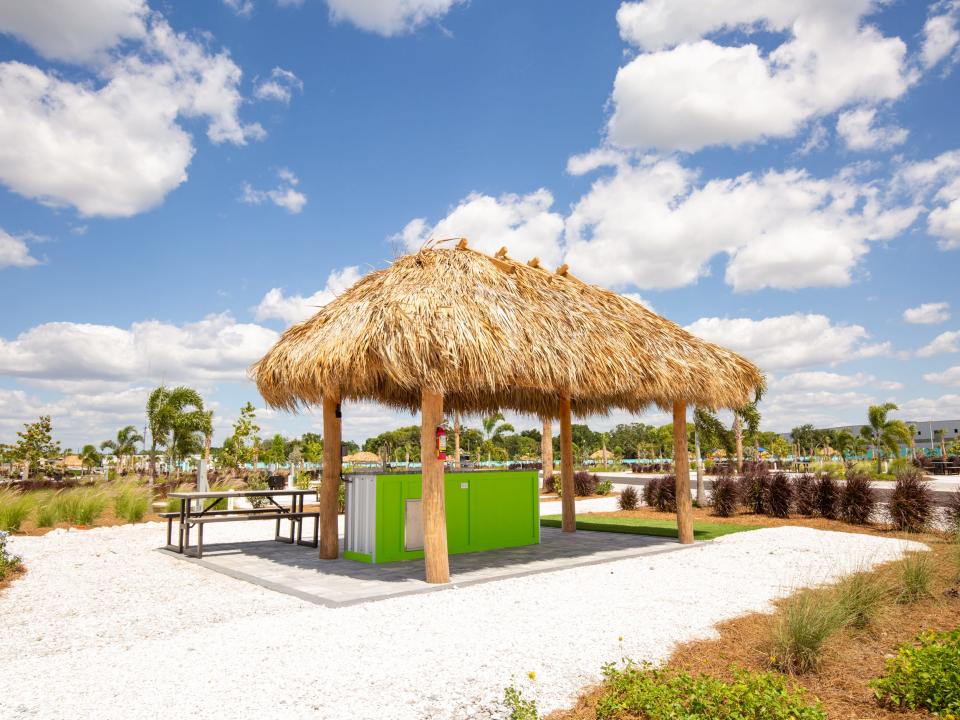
(646, 526)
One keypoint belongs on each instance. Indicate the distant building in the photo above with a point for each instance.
(925, 437)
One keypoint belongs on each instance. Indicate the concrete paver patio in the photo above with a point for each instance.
(298, 571)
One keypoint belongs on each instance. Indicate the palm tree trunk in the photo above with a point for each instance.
(738, 434)
(153, 460)
(701, 491)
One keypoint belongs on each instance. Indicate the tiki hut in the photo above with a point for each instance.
(362, 457)
(457, 330)
(602, 456)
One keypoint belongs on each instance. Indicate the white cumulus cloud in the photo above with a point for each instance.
(280, 86)
(284, 195)
(111, 144)
(387, 17)
(947, 342)
(654, 225)
(940, 34)
(524, 224)
(14, 251)
(950, 376)
(684, 91)
(858, 131)
(928, 313)
(790, 341)
(294, 308)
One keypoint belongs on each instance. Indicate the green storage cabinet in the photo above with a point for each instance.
(485, 511)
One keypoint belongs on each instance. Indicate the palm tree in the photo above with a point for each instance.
(885, 434)
(494, 427)
(749, 415)
(842, 441)
(171, 415)
(941, 434)
(125, 444)
(90, 456)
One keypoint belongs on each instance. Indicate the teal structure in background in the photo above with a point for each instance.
(485, 510)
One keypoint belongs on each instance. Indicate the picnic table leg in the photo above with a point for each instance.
(180, 533)
(200, 541)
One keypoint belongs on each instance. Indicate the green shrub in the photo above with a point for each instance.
(15, 507)
(604, 487)
(861, 597)
(655, 694)
(628, 499)
(924, 676)
(916, 575)
(48, 512)
(806, 621)
(520, 709)
(8, 563)
(132, 502)
(910, 505)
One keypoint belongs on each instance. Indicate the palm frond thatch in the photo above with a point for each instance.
(490, 333)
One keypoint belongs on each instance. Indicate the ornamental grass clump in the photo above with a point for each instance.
(80, 507)
(641, 691)
(924, 675)
(779, 496)
(661, 493)
(132, 502)
(805, 495)
(828, 497)
(724, 495)
(916, 573)
(857, 499)
(584, 483)
(629, 498)
(806, 621)
(15, 507)
(861, 596)
(910, 505)
(755, 487)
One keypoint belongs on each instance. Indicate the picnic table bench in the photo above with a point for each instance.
(189, 517)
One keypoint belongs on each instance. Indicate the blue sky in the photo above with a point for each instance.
(180, 181)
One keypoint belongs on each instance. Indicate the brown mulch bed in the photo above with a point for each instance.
(852, 657)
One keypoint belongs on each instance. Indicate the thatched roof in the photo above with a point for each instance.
(490, 333)
(362, 457)
(602, 455)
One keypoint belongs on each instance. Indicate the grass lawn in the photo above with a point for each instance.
(647, 526)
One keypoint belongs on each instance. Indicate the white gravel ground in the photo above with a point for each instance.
(103, 626)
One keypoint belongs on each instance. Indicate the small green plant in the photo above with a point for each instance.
(15, 507)
(520, 708)
(924, 675)
(629, 498)
(916, 576)
(807, 620)
(8, 563)
(132, 502)
(80, 507)
(655, 694)
(861, 597)
(604, 487)
(48, 512)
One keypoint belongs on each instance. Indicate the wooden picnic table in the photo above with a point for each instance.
(190, 516)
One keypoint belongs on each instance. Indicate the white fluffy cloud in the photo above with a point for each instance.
(858, 131)
(111, 144)
(928, 313)
(243, 8)
(950, 376)
(652, 224)
(14, 251)
(280, 86)
(948, 342)
(819, 380)
(522, 223)
(284, 195)
(940, 34)
(59, 354)
(74, 31)
(686, 92)
(790, 341)
(294, 308)
(939, 407)
(938, 179)
(388, 17)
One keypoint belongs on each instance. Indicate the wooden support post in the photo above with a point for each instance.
(434, 507)
(456, 441)
(546, 452)
(681, 469)
(568, 503)
(330, 479)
